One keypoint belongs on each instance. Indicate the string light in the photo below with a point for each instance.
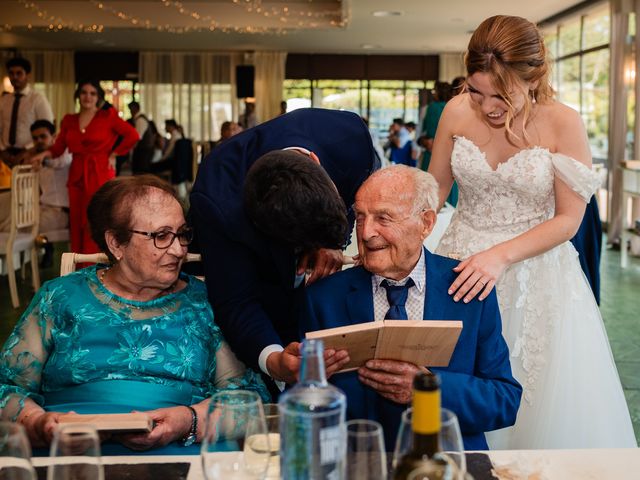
(289, 19)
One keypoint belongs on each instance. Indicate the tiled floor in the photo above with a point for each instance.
(620, 310)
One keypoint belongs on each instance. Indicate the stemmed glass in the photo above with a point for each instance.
(450, 438)
(15, 453)
(272, 418)
(366, 456)
(76, 448)
(235, 444)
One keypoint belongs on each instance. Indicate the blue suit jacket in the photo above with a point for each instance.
(477, 385)
(250, 278)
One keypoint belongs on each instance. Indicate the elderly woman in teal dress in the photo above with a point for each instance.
(133, 335)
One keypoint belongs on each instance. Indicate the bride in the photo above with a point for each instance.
(522, 163)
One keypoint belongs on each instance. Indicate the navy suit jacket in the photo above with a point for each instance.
(250, 277)
(477, 385)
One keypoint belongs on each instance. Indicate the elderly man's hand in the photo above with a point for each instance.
(170, 424)
(322, 262)
(390, 378)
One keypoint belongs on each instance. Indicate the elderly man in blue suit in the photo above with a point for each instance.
(398, 279)
(268, 205)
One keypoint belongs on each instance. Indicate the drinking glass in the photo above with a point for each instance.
(236, 443)
(272, 418)
(450, 439)
(15, 453)
(76, 448)
(366, 456)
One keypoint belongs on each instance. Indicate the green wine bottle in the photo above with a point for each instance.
(423, 461)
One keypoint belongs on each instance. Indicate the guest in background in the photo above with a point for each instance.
(441, 95)
(90, 136)
(248, 119)
(135, 334)
(18, 111)
(457, 86)
(400, 143)
(283, 107)
(227, 130)
(54, 197)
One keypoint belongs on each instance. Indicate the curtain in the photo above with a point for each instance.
(193, 88)
(620, 10)
(53, 74)
(269, 80)
(451, 66)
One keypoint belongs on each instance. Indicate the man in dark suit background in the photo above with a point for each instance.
(400, 279)
(254, 265)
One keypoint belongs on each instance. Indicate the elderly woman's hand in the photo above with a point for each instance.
(40, 426)
(170, 424)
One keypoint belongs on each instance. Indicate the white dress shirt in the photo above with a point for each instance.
(415, 299)
(33, 106)
(53, 181)
(141, 124)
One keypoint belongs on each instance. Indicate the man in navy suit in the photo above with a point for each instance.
(399, 279)
(259, 239)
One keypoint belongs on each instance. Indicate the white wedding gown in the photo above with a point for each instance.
(559, 348)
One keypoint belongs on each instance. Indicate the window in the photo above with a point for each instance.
(580, 47)
(379, 100)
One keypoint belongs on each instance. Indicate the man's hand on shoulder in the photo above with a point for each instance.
(321, 263)
(390, 378)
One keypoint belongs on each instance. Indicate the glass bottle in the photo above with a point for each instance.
(312, 422)
(423, 461)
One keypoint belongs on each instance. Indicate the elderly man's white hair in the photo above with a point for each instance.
(425, 194)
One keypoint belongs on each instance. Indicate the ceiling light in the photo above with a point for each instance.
(386, 13)
(369, 46)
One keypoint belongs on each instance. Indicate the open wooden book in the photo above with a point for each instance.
(112, 422)
(428, 343)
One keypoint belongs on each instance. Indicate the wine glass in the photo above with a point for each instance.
(76, 448)
(272, 418)
(366, 456)
(236, 443)
(15, 453)
(450, 439)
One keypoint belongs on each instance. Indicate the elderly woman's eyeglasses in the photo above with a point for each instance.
(164, 238)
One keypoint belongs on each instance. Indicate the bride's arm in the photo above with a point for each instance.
(479, 273)
(440, 165)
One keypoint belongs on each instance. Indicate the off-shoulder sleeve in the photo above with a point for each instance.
(580, 178)
(24, 354)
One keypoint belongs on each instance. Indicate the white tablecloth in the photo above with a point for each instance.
(605, 464)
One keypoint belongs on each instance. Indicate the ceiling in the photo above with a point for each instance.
(305, 26)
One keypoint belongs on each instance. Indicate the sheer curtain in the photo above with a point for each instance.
(451, 66)
(53, 74)
(194, 88)
(270, 71)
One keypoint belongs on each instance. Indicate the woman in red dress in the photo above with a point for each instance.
(92, 136)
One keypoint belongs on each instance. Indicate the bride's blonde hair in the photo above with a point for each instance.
(512, 51)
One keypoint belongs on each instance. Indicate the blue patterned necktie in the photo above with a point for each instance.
(397, 298)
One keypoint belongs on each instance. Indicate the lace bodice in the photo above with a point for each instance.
(496, 205)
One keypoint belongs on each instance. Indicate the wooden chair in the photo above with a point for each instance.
(70, 259)
(25, 211)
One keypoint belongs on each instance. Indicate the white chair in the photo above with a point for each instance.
(25, 211)
(70, 259)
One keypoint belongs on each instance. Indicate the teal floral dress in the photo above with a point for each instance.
(80, 347)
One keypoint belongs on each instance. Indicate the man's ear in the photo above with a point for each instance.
(429, 218)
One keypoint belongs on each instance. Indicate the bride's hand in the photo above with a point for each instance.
(478, 273)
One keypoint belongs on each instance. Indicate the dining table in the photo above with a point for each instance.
(584, 464)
